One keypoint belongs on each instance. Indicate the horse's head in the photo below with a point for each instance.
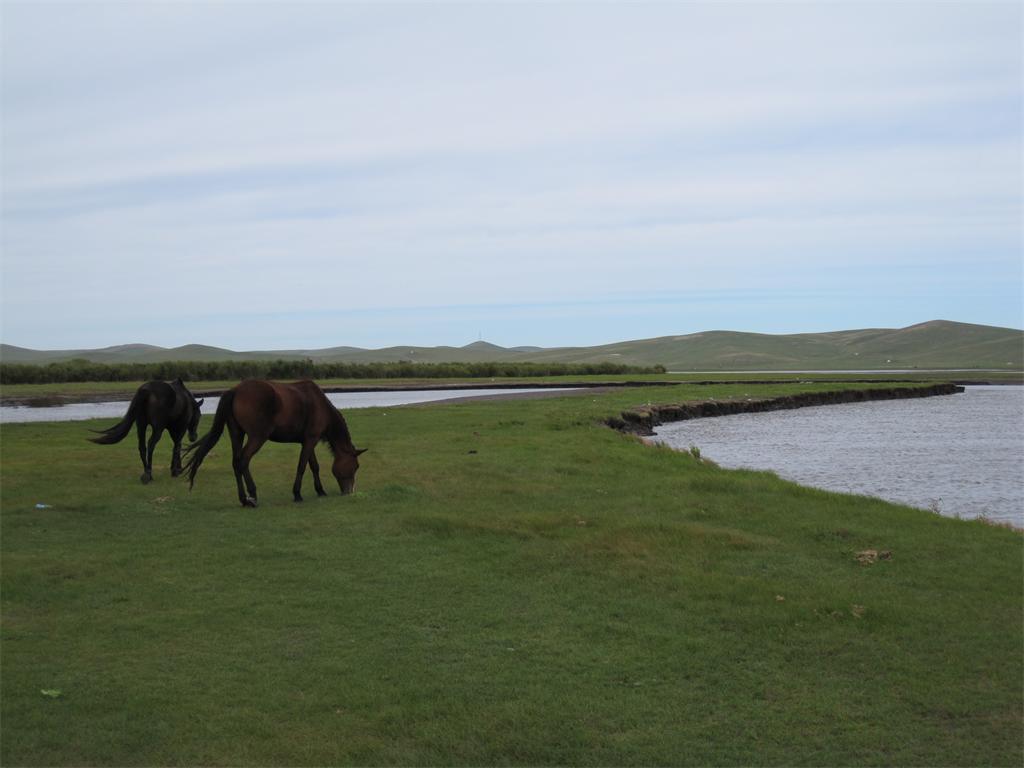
(193, 422)
(346, 464)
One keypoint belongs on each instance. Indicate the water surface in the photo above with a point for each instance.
(957, 454)
(115, 409)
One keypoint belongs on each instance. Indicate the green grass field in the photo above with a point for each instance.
(512, 583)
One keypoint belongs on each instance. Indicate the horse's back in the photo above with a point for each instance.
(156, 388)
(158, 401)
(254, 399)
(286, 410)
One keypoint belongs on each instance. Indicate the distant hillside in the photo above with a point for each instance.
(936, 344)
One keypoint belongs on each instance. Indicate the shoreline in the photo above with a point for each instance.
(59, 399)
(642, 420)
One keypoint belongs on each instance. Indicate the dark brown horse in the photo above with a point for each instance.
(160, 405)
(283, 413)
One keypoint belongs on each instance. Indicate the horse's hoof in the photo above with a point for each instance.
(175, 472)
(298, 499)
(249, 502)
(146, 478)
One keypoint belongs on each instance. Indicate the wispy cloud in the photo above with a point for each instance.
(391, 159)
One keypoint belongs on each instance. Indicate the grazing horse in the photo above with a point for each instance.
(161, 405)
(283, 413)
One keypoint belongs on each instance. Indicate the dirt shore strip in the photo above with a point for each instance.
(514, 395)
(642, 421)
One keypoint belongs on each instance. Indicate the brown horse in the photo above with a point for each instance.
(161, 405)
(283, 413)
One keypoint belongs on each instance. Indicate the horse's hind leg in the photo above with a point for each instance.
(250, 484)
(237, 436)
(248, 453)
(176, 455)
(314, 465)
(147, 471)
(241, 467)
(153, 440)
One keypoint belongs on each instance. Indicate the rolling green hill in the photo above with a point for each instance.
(935, 344)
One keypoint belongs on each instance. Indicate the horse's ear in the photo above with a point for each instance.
(200, 401)
(361, 451)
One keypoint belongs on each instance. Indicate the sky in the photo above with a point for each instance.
(298, 176)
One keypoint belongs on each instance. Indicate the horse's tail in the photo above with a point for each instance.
(196, 452)
(119, 431)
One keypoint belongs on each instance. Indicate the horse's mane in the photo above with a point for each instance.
(336, 435)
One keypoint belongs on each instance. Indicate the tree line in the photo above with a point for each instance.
(84, 370)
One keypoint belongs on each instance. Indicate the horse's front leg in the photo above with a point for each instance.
(315, 466)
(304, 454)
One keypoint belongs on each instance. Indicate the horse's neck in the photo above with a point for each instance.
(337, 430)
(180, 393)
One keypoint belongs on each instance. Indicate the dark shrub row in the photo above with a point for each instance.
(83, 370)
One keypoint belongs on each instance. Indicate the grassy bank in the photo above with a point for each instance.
(513, 583)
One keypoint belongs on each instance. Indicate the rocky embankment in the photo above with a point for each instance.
(643, 420)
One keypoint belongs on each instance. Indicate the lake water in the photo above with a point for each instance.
(960, 454)
(14, 414)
